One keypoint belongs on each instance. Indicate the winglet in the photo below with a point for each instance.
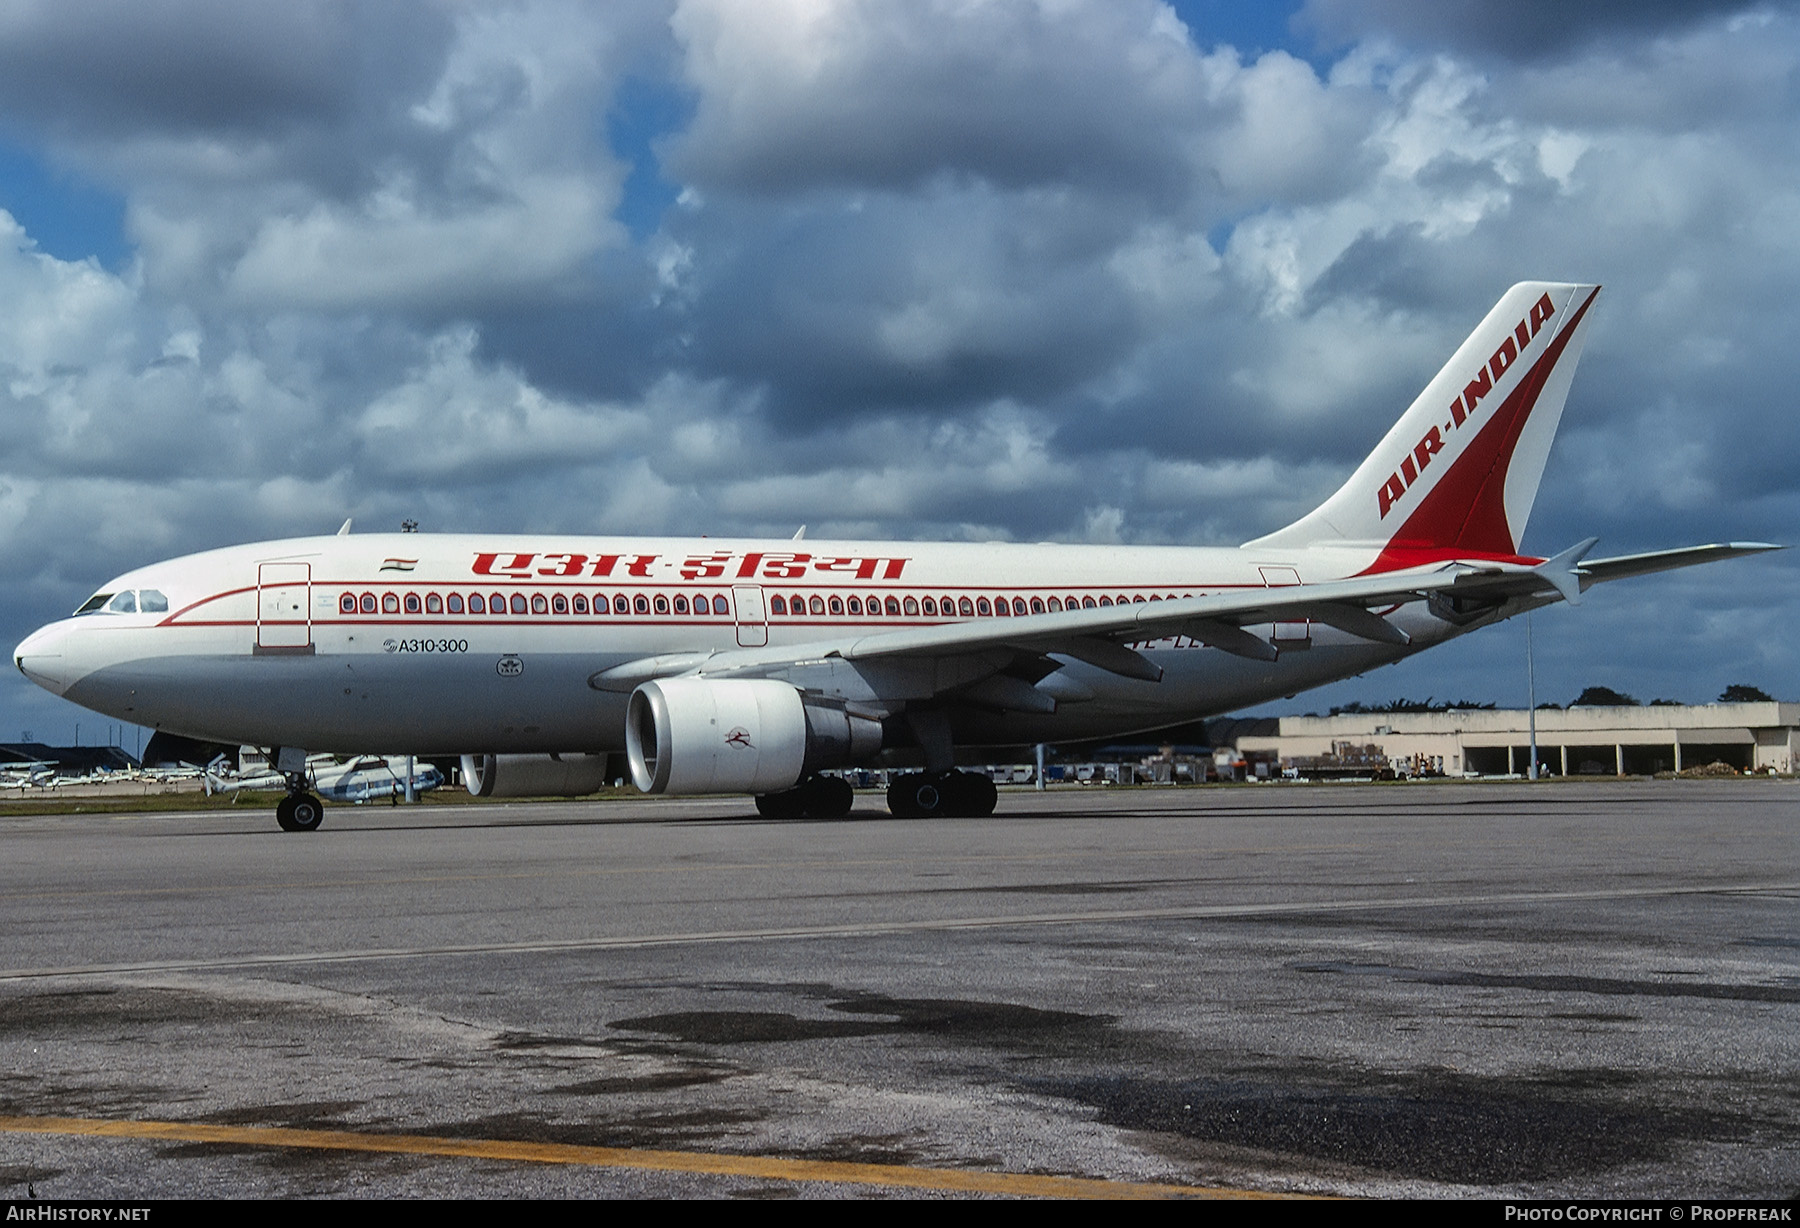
(344, 529)
(1564, 571)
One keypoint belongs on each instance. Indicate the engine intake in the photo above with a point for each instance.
(698, 735)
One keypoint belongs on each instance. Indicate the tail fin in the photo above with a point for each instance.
(1457, 475)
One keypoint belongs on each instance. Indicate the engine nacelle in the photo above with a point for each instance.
(698, 735)
(534, 775)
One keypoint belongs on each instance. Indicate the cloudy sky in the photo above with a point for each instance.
(1083, 270)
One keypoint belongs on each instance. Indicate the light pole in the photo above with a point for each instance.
(1530, 698)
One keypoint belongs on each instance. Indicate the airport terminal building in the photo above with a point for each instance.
(1576, 741)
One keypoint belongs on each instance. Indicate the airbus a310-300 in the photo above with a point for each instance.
(752, 666)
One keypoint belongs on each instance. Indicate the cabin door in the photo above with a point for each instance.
(284, 607)
(752, 616)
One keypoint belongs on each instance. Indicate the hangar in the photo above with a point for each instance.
(1609, 741)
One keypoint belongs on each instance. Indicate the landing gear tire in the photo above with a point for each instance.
(786, 805)
(929, 795)
(818, 797)
(828, 797)
(300, 812)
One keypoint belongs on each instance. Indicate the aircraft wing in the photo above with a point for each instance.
(1100, 636)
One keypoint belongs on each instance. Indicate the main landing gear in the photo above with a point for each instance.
(953, 795)
(816, 797)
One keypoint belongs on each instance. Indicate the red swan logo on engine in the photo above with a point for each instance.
(740, 736)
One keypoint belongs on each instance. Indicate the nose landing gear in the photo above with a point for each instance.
(299, 810)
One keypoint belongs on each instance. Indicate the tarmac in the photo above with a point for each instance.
(1557, 990)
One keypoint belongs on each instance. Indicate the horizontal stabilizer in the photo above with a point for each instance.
(1599, 571)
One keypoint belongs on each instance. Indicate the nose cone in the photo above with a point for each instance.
(43, 657)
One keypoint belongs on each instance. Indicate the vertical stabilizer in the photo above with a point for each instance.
(1457, 475)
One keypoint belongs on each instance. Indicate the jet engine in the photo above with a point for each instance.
(534, 775)
(699, 735)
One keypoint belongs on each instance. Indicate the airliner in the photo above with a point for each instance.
(553, 664)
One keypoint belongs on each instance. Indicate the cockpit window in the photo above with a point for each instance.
(132, 601)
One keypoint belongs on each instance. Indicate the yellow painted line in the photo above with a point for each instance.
(766, 1168)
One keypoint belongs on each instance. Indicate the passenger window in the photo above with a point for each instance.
(454, 603)
(837, 605)
(539, 605)
(1088, 603)
(816, 605)
(719, 604)
(983, 608)
(621, 605)
(347, 604)
(1139, 599)
(1037, 605)
(434, 604)
(966, 608)
(778, 605)
(518, 603)
(681, 604)
(1056, 605)
(641, 604)
(152, 602)
(497, 603)
(797, 604)
(1019, 606)
(948, 607)
(893, 605)
(476, 604)
(413, 605)
(559, 604)
(1106, 601)
(1001, 608)
(855, 605)
(912, 607)
(581, 603)
(930, 608)
(367, 603)
(662, 604)
(390, 603)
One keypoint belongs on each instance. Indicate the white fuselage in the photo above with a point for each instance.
(394, 644)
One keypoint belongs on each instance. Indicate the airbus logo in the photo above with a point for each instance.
(1464, 407)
